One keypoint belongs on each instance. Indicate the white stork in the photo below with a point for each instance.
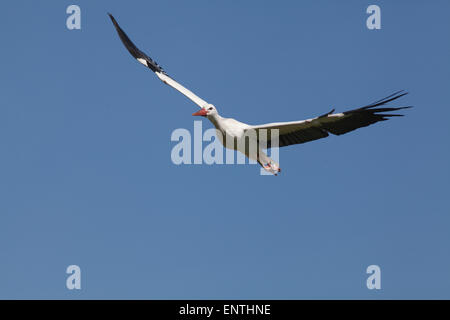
(287, 133)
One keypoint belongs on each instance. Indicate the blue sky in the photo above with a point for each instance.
(86, 176)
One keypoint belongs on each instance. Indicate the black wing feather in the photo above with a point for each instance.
(297, 137)
(365, 116)
(135, 52)
(352, 120)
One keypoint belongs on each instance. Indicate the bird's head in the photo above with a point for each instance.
(209, 110)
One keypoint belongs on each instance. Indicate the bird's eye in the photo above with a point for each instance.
(210, 108)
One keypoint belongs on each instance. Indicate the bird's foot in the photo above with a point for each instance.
(272, 167)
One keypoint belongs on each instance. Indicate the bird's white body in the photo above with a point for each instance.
(236, 135)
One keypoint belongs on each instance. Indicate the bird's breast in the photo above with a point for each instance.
(230, 132)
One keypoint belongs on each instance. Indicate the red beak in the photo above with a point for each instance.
(201, 112)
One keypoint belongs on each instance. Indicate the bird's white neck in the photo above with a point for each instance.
(215, 119)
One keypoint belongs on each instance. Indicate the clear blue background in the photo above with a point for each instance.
(86, 176)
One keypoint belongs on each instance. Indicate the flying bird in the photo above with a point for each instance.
(237, 135)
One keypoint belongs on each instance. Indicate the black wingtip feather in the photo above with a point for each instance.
(133, 50)
(390, 115)
(367, 115)
(392, 97)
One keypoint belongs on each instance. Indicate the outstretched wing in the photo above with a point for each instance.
(296, 132)
(152, 65)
